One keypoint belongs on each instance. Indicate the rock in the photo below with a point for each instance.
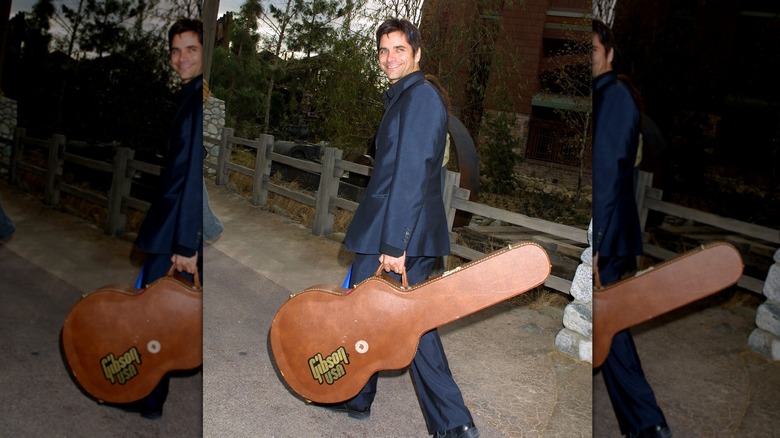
(772, 283)
(569, 342)
(578, 316)
(586, 351)
(768, 317)
(760, 341)
(582, 283)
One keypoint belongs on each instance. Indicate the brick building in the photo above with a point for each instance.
(527, 59)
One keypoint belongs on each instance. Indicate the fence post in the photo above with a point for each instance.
(120, 188)
(644, 181)
(225, 149)
(54, 170)
(16, 155)
(262, 170)
(328, 188)
(451, 182)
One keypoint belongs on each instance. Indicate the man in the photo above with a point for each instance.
(401, 223)
(7, 227)
(171, 233)
(617, 239)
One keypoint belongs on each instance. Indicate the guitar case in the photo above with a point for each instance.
(119, 341)
(664, 287)
(328, 341)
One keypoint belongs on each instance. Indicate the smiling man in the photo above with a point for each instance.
(617, 237)
(401, 223)
(171, 233)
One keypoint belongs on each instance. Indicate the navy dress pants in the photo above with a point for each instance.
(629, 391)
(155, 267)
(440, 398)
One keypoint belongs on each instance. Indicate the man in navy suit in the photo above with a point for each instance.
(171, 234)
(401, 223)
(617, 239)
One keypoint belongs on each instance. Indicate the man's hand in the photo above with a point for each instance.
(393, 264)
(186, 264)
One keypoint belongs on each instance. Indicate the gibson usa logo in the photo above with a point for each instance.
(331, 368)
(121, 369)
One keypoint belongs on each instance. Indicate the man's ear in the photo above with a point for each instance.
(418, 55)
(611, 55)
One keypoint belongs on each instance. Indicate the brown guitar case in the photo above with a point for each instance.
(661, 289)
(119, 341)
(328, 341)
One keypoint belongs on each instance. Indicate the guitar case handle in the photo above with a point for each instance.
(196, 283)
(404, 281)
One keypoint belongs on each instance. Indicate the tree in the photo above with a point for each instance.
(604, 10)
(569, 75)
(238, 76)
(102, 73)
(350, 87)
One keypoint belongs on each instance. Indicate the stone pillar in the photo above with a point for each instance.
(213, 124)
(576, 338)
(765, 339)
(8, 114)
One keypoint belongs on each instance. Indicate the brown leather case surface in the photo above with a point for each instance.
(328, 341)
(661, 289)
(119, 343)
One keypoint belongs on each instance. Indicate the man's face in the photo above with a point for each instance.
(602, 61)
(396, 57)
(187, 55)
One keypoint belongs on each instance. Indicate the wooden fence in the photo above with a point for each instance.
(747, 237)
(326, 201)
(122, 170)
(556, 238)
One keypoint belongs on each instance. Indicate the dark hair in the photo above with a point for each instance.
(185, 25)
(400, 25)
(445, 96)
(605, 35)
(635, 93)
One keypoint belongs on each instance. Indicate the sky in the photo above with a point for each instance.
(21, 5)
(26, 6)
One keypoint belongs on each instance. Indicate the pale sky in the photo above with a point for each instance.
(21, 5)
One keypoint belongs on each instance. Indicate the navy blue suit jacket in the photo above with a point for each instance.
(403, 208)
(616, 230)
(174, 222)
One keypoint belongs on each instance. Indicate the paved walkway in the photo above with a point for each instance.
(504, 359)
(52, 259)
(513, 379)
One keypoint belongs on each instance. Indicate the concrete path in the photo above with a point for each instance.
(52, 259)
(513, 379)
(705, 378)
(504, 359)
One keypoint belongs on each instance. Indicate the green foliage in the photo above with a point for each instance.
(351, 100)
(101, 75)
(238, 74)
(497, 155)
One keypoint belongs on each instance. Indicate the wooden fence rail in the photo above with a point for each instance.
(122, 169)
(649, 198)
(327, 200)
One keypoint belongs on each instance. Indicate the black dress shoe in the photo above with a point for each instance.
(358, 414)
(463, 431)
(146, 411)
(656, 431)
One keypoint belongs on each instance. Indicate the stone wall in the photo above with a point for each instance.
(213, 123)
(576, 337)
(8, 118)
(765, 339)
